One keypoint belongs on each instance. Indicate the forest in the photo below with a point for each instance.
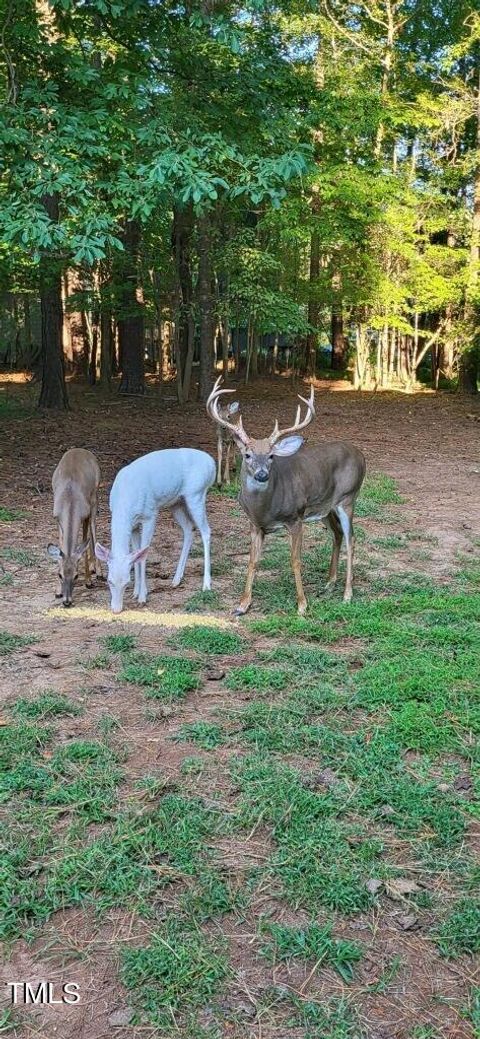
(270, 187)
(240, 291)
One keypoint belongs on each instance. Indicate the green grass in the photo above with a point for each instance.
(49, 704)
(176, 974)
(254, 678)
(20, 556)
(311, 942)
(205, 734)
(119, 643)
(202, 602)
(165, 678)
(460, 932)
(9, 643)
(211, 641)
(10, 515)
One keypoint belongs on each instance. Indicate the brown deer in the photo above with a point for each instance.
(286, 483)
(75, 484)
(225, 442)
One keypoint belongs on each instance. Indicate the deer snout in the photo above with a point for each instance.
(262, 475)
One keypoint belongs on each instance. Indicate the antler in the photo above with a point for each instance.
(212, 409)
(277, 433)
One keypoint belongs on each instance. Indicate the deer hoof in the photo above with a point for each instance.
(348, 596)
(241, 609)
(302, 608)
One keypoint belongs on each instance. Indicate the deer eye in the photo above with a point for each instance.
(271, 456)
(248, 456)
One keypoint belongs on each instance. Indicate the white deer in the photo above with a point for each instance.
(177, 479)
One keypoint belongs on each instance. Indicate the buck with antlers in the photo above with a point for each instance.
(286, 483)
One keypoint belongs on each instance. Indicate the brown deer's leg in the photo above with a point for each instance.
(256, 545)
(226, 473)
(85, 529)
(296, 539)
(336, 529)
(93, 537)
(345, 515)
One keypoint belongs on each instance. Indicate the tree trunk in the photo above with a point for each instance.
(339, 343)
(106, 349)
(205, 301)
(53, 392)
(131, 328)
(183, 224)
(470, 358)
(313, 305)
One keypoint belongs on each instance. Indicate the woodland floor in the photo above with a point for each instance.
(268, 830)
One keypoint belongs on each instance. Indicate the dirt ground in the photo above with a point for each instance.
(429, 444)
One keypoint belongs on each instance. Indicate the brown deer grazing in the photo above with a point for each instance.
(225, 442)
(286, 483)
(75, 484)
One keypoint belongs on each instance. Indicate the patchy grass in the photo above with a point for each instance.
(119, 643)
(20, 556)
(175, 975)
(341, 750)
(49, 704)
(312, 942)
(10, 515)
(255, 678)
(164, 677)
(206, 735)
(9, 643)
(202, 602)
(211, 641)
(460, 932)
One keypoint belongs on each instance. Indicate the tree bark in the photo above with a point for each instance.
(339, 343)
(182, 235)
(205, 301)
(131, 322)
(53, 393)
(470, 358)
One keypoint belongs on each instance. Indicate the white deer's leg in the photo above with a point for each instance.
(336, 529)
(184, 521)
(345, 514)
(219, 458)
(148, 530)
(198, 512)
(136, 544)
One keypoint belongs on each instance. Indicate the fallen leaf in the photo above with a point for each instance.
(374, 885)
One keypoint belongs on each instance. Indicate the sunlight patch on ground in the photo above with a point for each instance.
(160, 620)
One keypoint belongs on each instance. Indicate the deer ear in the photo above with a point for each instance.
(137, 556)
(102, 553)
(54, 552)
(233, 407)
(288, 446)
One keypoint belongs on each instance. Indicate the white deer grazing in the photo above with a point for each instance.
(75, 484)
(177, 479)
(286, 483)
(225, 443)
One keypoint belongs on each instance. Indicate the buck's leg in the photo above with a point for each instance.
(296, 539)
(226, 473)
(256, 544)
(198, 512)
(184, 521)
(336, 529)
(86, 537)
(345, 515)
(148, 530)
